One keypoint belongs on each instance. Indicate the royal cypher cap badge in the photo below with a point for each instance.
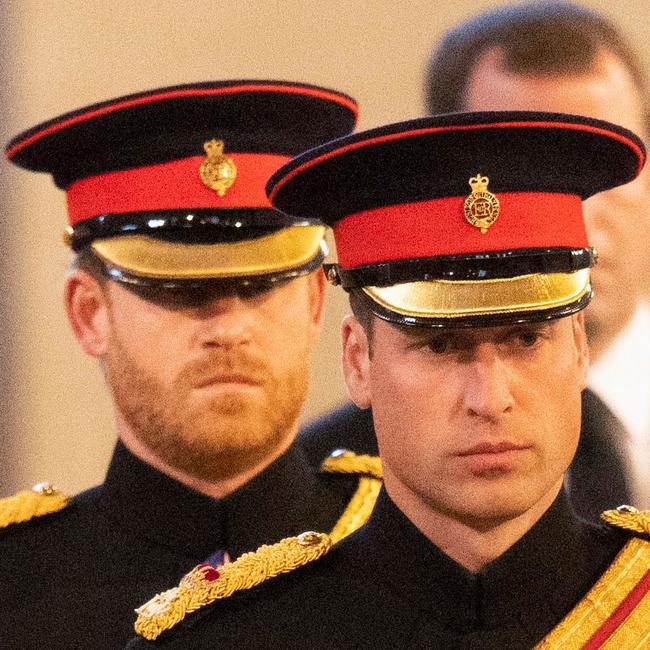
(217, 171)
(481, 206)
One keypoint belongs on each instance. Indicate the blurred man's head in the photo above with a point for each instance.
(563, 58)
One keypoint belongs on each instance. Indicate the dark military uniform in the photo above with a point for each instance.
(369, 593)
(596, 476)
(72, 579)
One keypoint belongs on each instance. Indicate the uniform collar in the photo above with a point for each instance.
(278, 502)
(540, 577)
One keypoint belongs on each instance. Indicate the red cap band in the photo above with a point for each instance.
(438, 227)
(171, 186)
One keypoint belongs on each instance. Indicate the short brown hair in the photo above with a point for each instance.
(86, 260)
(537, 38)
(362, 312)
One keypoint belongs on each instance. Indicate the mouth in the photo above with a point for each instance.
(494, 459)
(229, 381)
(493, 448)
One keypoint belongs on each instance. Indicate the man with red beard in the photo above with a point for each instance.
(201, 304)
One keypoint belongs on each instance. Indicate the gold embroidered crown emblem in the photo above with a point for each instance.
(217, 171)
(481, 207)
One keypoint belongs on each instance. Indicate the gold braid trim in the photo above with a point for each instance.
(363, 501)
(628, 518)
(203, 584)
(42, 499)
(359, 509)
(602, 601)
(342, 461)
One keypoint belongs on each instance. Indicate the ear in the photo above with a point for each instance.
(317, 284)
(582, 347)
(356, 362)
(87, 306)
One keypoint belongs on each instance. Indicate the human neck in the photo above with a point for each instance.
(217, 489)
(471, 544)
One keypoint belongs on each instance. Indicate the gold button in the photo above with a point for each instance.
(67, 235)
(310, 538)
(44, 488)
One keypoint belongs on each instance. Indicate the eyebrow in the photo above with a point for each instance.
(461, 333)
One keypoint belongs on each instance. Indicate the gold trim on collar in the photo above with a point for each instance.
(457, 298)
(147, 257)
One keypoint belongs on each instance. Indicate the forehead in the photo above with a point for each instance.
(607, 91)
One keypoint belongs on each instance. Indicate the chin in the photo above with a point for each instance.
(500, 501)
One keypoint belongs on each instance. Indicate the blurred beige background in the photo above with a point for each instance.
(58, 55)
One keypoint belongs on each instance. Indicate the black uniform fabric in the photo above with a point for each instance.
(388, 586)
(72, 579)
(596, 478)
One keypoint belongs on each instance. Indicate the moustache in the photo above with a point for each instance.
(223, 367)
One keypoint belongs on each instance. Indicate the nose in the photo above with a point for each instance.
(225, 322)
(487, 393)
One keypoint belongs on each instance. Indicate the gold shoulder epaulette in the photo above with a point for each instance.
(616, 610)
(343, 461)
(205, 584)
(42, 499)
(363, 501)
(628, 518)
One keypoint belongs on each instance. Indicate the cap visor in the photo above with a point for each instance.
(456, 299)
(147, 257)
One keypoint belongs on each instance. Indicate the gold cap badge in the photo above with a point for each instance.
(481, 207)
(218, 172)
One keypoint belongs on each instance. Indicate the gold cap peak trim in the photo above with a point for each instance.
(457, 298)
(146, 257)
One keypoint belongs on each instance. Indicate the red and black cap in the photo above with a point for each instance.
(462, 219)
(168, 185)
